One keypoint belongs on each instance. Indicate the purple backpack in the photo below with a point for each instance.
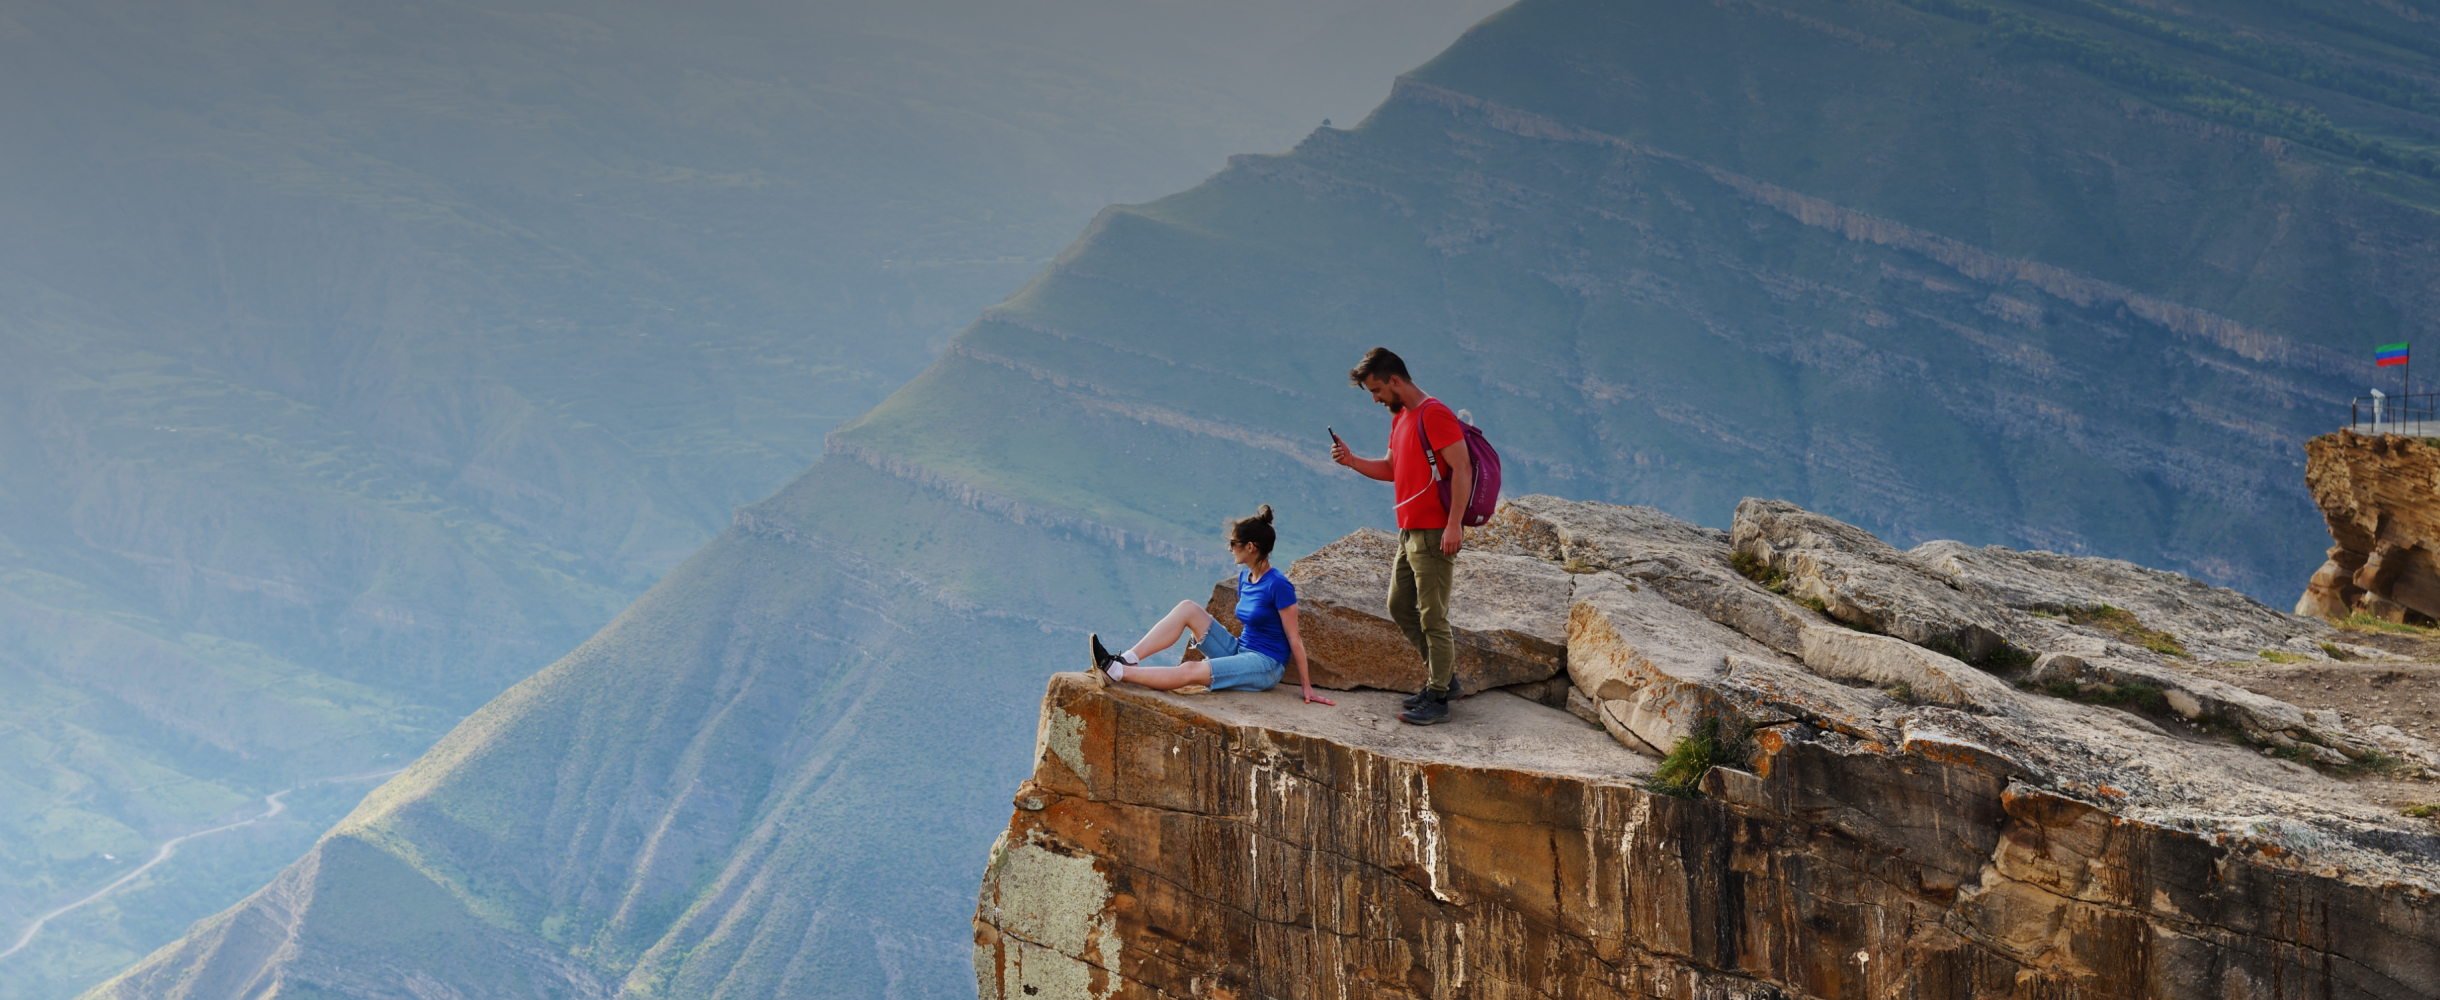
(1486, 469)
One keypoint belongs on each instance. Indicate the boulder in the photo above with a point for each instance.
(1656, 670)
(2332, 593)
(1865, 582)
(1912, 672)
(1684, 562)
(1508, 614)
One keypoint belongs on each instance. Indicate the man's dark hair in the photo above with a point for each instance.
(1255, 531)
(1378, 361)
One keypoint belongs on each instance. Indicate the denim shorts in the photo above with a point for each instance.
(1235, 669)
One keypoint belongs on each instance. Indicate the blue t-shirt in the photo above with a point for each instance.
(1258, 604)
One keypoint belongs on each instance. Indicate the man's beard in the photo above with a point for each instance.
(1397, 406)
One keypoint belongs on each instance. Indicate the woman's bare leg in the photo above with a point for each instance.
(1171, 678)
(1186, 615)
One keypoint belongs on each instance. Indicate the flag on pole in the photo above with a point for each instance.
(2389, 354)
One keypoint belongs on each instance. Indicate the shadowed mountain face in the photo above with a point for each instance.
(2067, 276)
(358, 359)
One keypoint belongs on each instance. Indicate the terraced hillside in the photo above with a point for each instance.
(2065, 276)
(358, 360)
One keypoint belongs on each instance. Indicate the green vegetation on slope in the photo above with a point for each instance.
(2200, 93)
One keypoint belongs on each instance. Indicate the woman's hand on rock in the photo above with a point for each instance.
(1311, 698)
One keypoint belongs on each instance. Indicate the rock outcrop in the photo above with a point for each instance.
(1882, 817)
(2381, 497)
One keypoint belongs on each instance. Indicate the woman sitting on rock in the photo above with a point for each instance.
(1253, 661)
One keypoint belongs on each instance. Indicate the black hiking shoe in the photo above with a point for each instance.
(1415, 700)
(1102, 658)
(1433, 710)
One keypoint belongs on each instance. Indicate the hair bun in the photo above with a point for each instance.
(1263, 513)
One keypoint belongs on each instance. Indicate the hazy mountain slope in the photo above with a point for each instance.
(766, 778)
(2021, 308)
(1894, 263)
(357, 360)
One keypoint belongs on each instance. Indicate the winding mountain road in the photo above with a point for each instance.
(274, 807)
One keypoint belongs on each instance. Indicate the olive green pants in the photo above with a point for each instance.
(1419, 585)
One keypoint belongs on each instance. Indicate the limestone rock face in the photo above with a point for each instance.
(1892, 821)
(1247, 845)
(2381, 497)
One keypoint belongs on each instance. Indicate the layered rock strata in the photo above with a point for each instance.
(2381, 497)
(1905, 823)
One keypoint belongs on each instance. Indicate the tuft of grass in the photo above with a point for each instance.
(2006, 659)
(1695, 754)
(2275, 656)
(1577, 565)
(2361, 621)
(2142, 698)
(2123, 624)
(2372, 764)
(1904, 693)
(1756, 570)
(2003, 659)
(2332, 650)
(2427, 810)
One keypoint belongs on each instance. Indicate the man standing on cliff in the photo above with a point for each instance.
(1428, 536)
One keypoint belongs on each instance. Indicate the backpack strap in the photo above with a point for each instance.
(1431, 459)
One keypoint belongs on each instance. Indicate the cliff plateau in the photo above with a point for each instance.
(1901, 823)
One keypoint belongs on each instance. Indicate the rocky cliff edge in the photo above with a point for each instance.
(2380, 494)
(1949, 771)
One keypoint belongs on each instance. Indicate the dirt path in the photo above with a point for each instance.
(2405, 695)
(273, 807)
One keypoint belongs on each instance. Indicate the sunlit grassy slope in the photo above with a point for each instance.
(2032, 274)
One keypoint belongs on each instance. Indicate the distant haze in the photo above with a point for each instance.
(358, 359)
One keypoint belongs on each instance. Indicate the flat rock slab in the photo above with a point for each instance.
(1508, 616)
(1865, 582)
(2213, 623)
(1496, 730)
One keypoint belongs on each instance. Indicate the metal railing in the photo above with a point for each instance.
(2385, 414)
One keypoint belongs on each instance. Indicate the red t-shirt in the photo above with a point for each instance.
(1410, 473)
